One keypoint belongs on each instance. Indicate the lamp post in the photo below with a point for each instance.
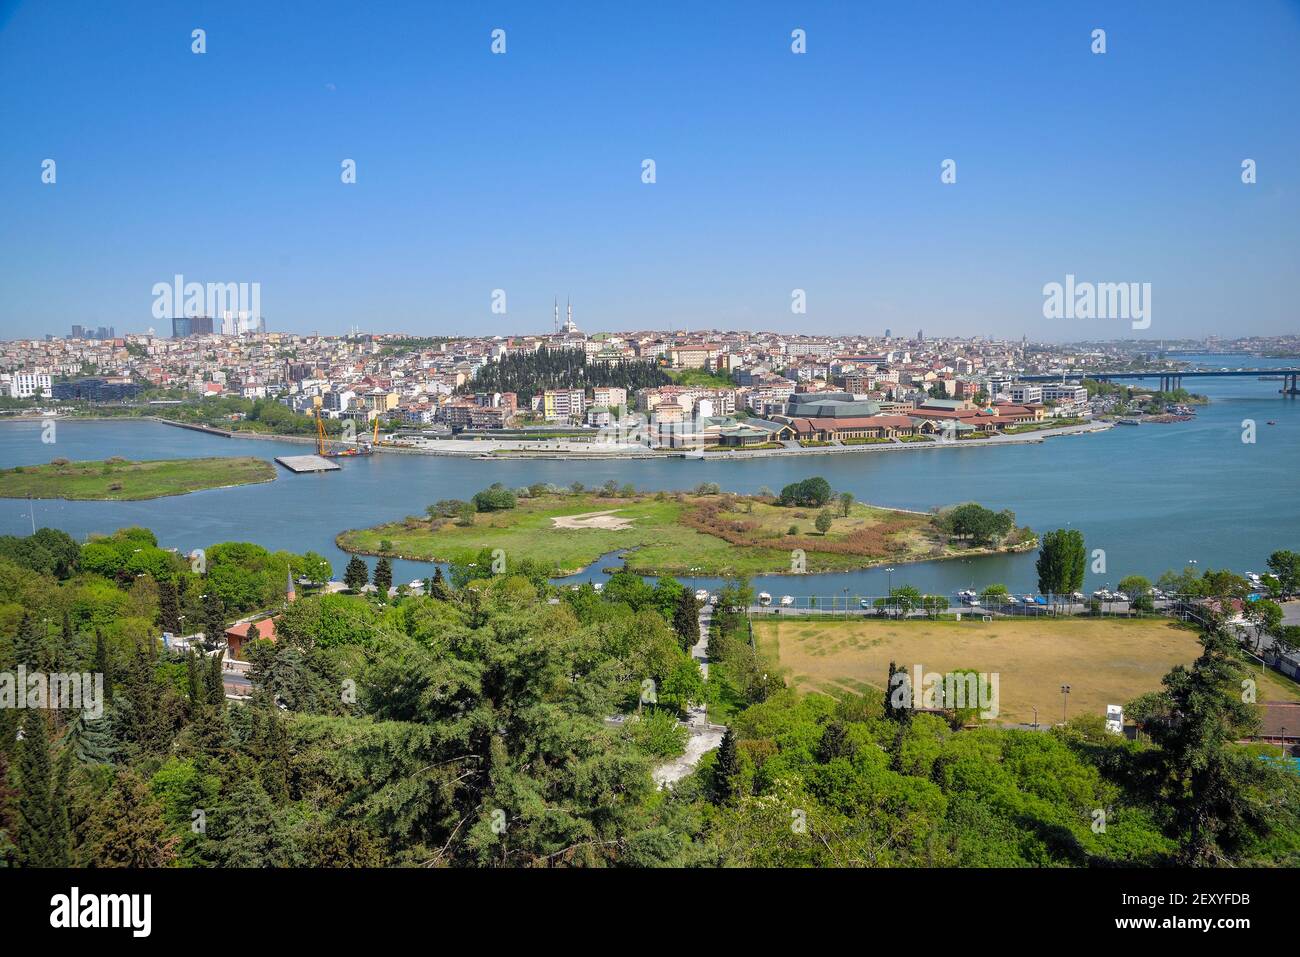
(889, 589)
(1065, 702)
(846, 604)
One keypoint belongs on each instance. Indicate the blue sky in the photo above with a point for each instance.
(775, 171)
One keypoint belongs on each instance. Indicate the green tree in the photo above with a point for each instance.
(36, 839)
(169, 606)
(383, 576)
(1138, 590)
(356, 576)
(1285, 566)
(686, 620)
(1219, 795)
(810, 493)
(726, 770)
(128, 828)
(824, 521)
(1061, 562)
(846, 504)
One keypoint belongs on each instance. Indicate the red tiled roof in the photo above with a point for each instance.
(265, 628)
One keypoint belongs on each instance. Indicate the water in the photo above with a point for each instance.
(1153, 497)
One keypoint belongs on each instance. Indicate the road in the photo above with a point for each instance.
(704, 737)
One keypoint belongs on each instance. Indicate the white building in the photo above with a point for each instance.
(25, 385)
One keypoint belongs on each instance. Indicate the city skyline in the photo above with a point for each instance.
(488, 181)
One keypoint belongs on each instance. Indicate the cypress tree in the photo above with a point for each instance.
(35, 796)
(60, 829)
(724, 772)
(438, 587)
(356, 574)
(169, 606)
(686, 620)
(383, 576)
(214, 619)
(104, 664)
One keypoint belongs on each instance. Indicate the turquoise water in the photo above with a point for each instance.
(1153, 497)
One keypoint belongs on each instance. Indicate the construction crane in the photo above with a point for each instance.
(326, 449)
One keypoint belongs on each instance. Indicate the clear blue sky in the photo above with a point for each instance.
(775, 171)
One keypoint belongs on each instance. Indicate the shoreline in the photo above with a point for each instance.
(516, 454)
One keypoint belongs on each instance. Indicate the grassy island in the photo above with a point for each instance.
(675, 533)
(121, 480)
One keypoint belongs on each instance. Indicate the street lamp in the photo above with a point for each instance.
(889, 588)
(1065, 702)
(846, 604)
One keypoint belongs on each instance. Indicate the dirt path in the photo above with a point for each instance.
(603, 520)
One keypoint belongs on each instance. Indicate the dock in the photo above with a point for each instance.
(300, 464)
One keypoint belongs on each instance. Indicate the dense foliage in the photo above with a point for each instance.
(473, 726)
(530, 373)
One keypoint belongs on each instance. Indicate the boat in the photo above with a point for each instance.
(1128, 421)
(764, 598)
(701, 594)
(787, 601)
(1270, 422)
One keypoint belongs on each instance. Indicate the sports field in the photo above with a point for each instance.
(1104, 661)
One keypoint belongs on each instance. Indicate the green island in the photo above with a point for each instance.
(121, 480)
(705, 532)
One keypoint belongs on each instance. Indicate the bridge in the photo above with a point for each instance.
(1174, 380)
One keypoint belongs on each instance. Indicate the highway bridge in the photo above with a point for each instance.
(1174, 380)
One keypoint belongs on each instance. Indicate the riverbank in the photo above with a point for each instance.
(502, 449)
(670, 534)
(499, 449)
(119, 480)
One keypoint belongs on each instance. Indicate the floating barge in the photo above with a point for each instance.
(300, 464)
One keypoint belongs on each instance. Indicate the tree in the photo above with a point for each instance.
(214, 619)
(104, 664)
(356, 575)
(846, 504)
(36, 812)
(824, 521)
(1285, 566)
(438, 585)
(686, 620)
(810, 493)
(128, 827)
(973, 521)
(726, 769)
(1138, 590)
(1219, 795)
(995, 595)
(494, 498)
(383, 576)
(1061, 562)
(169, 606)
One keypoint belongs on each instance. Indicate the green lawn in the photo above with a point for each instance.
(669, 534)
(121, 480)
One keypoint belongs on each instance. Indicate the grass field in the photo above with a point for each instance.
(1106, 661)
(120, 480)
(716, 535)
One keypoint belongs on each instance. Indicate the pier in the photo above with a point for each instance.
(301, 464)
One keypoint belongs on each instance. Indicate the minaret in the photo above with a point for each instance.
(289, 592)
(555, 324)
(568, 305)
